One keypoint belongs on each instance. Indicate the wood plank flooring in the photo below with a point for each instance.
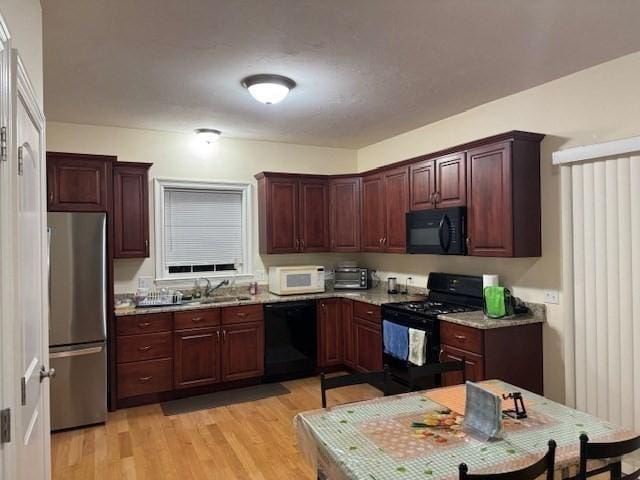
(253, 440)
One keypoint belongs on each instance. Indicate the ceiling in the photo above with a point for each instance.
(366, 69)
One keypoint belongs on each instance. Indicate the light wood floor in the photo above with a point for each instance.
(253, 440)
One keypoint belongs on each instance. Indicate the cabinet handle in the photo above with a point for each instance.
(145, 379)
(438, 197)
(51, 197)
(143, 324)
(380, 242)
(145, 348)
(440, 355)
(302, 245)
(224, 336)
(461, 338)
(431, 195)
(197, 319)
(369, 312)
(241, 314)
(297, 244)
(218, 335)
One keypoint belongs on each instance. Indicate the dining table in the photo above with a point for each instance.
(421, 435)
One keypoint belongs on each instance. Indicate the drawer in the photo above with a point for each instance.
(134, 348)
(242, 314)
(151, 323)
(150, 376)
(196, 319)
(366, 311)
(460, 336)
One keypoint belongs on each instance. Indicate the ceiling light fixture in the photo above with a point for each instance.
(208, 135)
(268, 88)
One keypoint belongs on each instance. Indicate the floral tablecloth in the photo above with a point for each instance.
(419, 436)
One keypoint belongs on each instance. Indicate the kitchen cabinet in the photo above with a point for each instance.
(131, 210)
(385, 202)
(348, 332)
(78, 183)
(293, 213)
(330, 331)
(503, 197)
(197, 357)
(344, 214)
(438, 182)
(367, 322)
(242, 351)
(512, 354)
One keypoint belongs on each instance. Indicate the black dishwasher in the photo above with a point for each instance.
(290, 340)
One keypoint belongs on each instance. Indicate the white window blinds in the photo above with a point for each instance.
(202, 227)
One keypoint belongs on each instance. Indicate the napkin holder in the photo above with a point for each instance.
(483, 412)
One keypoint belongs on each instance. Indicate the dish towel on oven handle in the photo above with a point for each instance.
(395, 339)
(417, 347)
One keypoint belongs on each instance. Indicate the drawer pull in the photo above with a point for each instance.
(146, 348)
(145, 379)
(369, 312)
(241, 314)
(462, 338)
(197, 319)
(144, 324)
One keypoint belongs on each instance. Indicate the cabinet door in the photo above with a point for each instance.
(373, 213)
(330, 332)
(197, 357)
(282, 215)
(489, 212)
(344, 214)
(423, 185)
(451, 184)
(474, 365)
(348, 332)
(368, 346)
(78, 183)
(314, 215)
(396, 195)
(242, 351)
(131, 211)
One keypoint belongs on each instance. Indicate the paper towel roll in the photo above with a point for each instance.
(490, 280)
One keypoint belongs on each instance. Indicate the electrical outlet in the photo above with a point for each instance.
(259, 275)
(551, 296)
(145, 282)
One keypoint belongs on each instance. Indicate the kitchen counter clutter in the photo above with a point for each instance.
(377, 296)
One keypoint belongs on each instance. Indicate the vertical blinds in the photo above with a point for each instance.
(202, 227)
(605, 273)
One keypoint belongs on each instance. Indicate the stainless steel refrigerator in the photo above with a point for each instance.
(77, 318)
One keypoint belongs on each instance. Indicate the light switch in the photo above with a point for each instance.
(551, 296)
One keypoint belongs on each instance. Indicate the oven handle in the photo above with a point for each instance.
(445, 247)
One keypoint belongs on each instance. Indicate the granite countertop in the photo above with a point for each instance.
(475, 319)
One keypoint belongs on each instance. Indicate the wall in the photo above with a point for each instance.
(24, 18)
(175, 155)
(591, 106)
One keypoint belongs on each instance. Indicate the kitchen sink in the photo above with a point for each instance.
(221, 299)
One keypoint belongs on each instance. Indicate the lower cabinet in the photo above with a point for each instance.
(368, 345)
(242, 351)
(474, 365)
(197, 357)
(330, 341)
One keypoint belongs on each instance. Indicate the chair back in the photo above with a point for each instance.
(416, 374)
(377, 379)
(607, 450)
(545, 464)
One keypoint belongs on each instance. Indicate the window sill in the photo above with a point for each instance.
(190, 280)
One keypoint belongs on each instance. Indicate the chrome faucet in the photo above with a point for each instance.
(209, 290)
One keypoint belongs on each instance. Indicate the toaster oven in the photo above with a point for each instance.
(352, 278)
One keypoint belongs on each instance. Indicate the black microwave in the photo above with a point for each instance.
(440, 231)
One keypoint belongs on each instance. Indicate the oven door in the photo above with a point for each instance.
(439, 231)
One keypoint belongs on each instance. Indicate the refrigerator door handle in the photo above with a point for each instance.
(75, 353)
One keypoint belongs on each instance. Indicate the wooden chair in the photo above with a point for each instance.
(545, 464)
(377, 379)
(608, 450)
(416, 374)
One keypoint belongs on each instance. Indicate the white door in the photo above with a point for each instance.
(31, 281)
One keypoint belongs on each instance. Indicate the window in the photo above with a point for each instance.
(202, 229)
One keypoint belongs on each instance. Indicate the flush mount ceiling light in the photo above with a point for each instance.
(208, 135)
(267, 88)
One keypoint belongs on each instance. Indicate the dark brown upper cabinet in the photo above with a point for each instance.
(78, 182)
(385, 202)
(503, 198)
(439, 182)
(131, 210)
(293, 213)
(344, 214)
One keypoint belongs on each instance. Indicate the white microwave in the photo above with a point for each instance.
(296, 280)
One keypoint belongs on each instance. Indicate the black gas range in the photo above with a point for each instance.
(448, 293)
